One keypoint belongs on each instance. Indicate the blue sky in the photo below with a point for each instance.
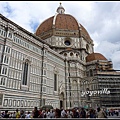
(101, 20)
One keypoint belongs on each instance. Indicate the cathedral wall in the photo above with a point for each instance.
(27, 70)
(54, 66)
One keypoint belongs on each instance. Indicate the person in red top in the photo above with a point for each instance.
(41, 115)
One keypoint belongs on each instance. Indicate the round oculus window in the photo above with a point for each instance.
(67, 42)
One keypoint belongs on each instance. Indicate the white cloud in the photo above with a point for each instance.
(110, 51)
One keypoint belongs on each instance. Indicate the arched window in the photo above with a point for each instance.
(76, 55)
(87, 47)
(91, 72)
(65, 54)
(71, 54)
(55, 82)
(25, 73)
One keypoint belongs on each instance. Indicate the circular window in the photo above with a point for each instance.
(67, 42)
(65, 54)
(71, 54)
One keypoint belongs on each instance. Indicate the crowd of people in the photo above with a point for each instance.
(60, 113)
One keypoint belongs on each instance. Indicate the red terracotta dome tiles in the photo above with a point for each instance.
(95, 56)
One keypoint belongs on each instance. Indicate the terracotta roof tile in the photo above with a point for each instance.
(62, 22)
(45, 26)
(95, 56)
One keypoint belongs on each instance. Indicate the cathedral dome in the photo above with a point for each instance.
(62, 22)
(95, 56)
